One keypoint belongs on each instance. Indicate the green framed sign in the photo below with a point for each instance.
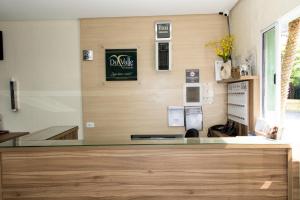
(121, 64)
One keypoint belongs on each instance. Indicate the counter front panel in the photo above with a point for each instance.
(145, 172)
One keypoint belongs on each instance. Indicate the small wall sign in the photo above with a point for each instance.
(121, 64)
(192, 75)
(163, 30)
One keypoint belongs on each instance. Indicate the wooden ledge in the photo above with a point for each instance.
(242, 78)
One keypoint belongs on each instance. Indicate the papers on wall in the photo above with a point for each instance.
(194, 118)
(208, 93)
(175, 116)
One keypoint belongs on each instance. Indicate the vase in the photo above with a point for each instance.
(226, 70)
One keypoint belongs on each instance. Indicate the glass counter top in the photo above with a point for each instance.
(118, 140)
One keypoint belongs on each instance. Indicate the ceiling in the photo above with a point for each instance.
(74, 9)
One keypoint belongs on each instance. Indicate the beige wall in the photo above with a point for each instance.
(250, 17)
(140, 107)
(44, 57)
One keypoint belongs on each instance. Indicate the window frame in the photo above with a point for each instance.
(278, 42)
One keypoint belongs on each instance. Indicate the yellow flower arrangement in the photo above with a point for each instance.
(223, 48)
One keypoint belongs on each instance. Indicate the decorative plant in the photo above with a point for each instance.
(223, 48)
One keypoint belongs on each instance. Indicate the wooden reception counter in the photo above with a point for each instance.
(205, 168)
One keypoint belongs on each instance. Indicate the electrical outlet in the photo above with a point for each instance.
(90, 125)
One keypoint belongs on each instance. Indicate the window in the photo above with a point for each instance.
(274, 40)
(270, 74)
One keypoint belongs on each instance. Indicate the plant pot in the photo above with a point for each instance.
(226, 70)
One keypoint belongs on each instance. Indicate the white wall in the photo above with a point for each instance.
(44, 56)
(250, 17)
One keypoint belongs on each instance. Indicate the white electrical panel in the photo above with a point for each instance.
(238, 102)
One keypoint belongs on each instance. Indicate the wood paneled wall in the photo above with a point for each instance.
(194, 172)
(140, 107)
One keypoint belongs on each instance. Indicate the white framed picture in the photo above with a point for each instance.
(192, 94)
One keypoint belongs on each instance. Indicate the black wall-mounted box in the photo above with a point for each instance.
(1, 46)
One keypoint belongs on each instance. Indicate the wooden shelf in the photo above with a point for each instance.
(242, 78)
(11, 136)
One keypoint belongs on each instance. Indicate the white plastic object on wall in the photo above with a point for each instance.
(90, 125)
(208, 93)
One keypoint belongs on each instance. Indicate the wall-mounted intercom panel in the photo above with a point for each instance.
(163, 46)
(163, 56)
